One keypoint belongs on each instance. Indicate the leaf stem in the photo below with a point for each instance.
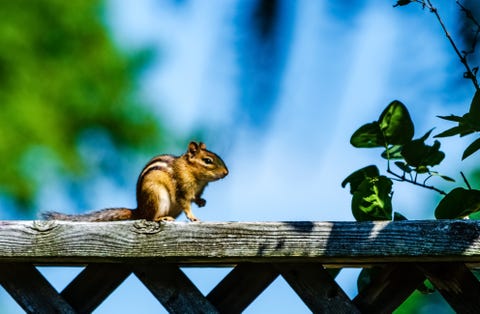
(466, 181)
(414, 182)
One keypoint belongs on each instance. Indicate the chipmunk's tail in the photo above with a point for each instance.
(109, 214)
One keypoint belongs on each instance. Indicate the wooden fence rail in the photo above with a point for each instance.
(408, 252)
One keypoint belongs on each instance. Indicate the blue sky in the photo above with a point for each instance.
(286, 143)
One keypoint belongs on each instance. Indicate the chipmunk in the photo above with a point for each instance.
(166, 187)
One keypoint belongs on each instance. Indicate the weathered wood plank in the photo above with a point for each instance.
(93, 285)
(242, 286)
(316, 288)
(173, 289)
(392, 286)
(350, 243)
(456, 283)
(31, 290)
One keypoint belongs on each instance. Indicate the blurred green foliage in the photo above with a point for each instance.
(60, 75)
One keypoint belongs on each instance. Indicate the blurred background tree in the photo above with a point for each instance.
(64, 86)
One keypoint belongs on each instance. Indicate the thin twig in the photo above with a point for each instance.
(469, 73)
(472, 18)
(466, 181)
(403, 179)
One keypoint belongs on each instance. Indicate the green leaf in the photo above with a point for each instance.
(358, 176)
(451, 118)
(418, 154)
(458, 203)
(396, 124)
(367, 136)
(373, 199)
(475, 107)
(426, 287)
(393, 152)
(426, 135)
(446, 178)
(453, 131)
(403, 166)
(472, 148)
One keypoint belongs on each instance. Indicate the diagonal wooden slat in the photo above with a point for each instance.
(173, 289)
(456, 283)
(242, 286)
(31, 290)
(93, 285)
(316, 288)
(392, 286)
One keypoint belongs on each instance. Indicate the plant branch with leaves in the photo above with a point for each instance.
(414, 158)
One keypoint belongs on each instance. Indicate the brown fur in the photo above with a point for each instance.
(166, 184)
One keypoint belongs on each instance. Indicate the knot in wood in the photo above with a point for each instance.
(43, 225)
(147, 227)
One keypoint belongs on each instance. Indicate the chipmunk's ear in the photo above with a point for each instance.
(193, 148)
(202, 146)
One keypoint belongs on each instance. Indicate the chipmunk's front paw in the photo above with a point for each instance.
(200, 202)
(193, 218)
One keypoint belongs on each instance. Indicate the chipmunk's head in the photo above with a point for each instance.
(209, 166)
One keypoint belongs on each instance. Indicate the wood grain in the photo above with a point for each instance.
(350, 243)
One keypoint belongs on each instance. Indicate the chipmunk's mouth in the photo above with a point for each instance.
(225, 173)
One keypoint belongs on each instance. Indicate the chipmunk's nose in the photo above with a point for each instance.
(225, 172)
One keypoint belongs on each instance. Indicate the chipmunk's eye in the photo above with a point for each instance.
(208, 160)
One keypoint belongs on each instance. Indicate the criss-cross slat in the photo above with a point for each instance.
(303, 253)
(389, 289)
(456, 284)
(316, 288)
(31, 290)
(93, 285)
(173, 289)
(242, 286)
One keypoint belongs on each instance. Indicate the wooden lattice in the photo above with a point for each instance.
(301, 252)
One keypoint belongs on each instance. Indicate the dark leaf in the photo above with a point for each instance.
(358, 176)
(426, 135)
(373, 200)
(472, 148)
(418, 154)
(446, 178)
(396, 124)
(403, 166)
(451, 118)
(458, 203)
(402, 3)
(398, 217)
(453, 131)
(475, 107)
(471, 123)
(368, 135)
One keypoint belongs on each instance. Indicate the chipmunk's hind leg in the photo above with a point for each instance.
(163, 212)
